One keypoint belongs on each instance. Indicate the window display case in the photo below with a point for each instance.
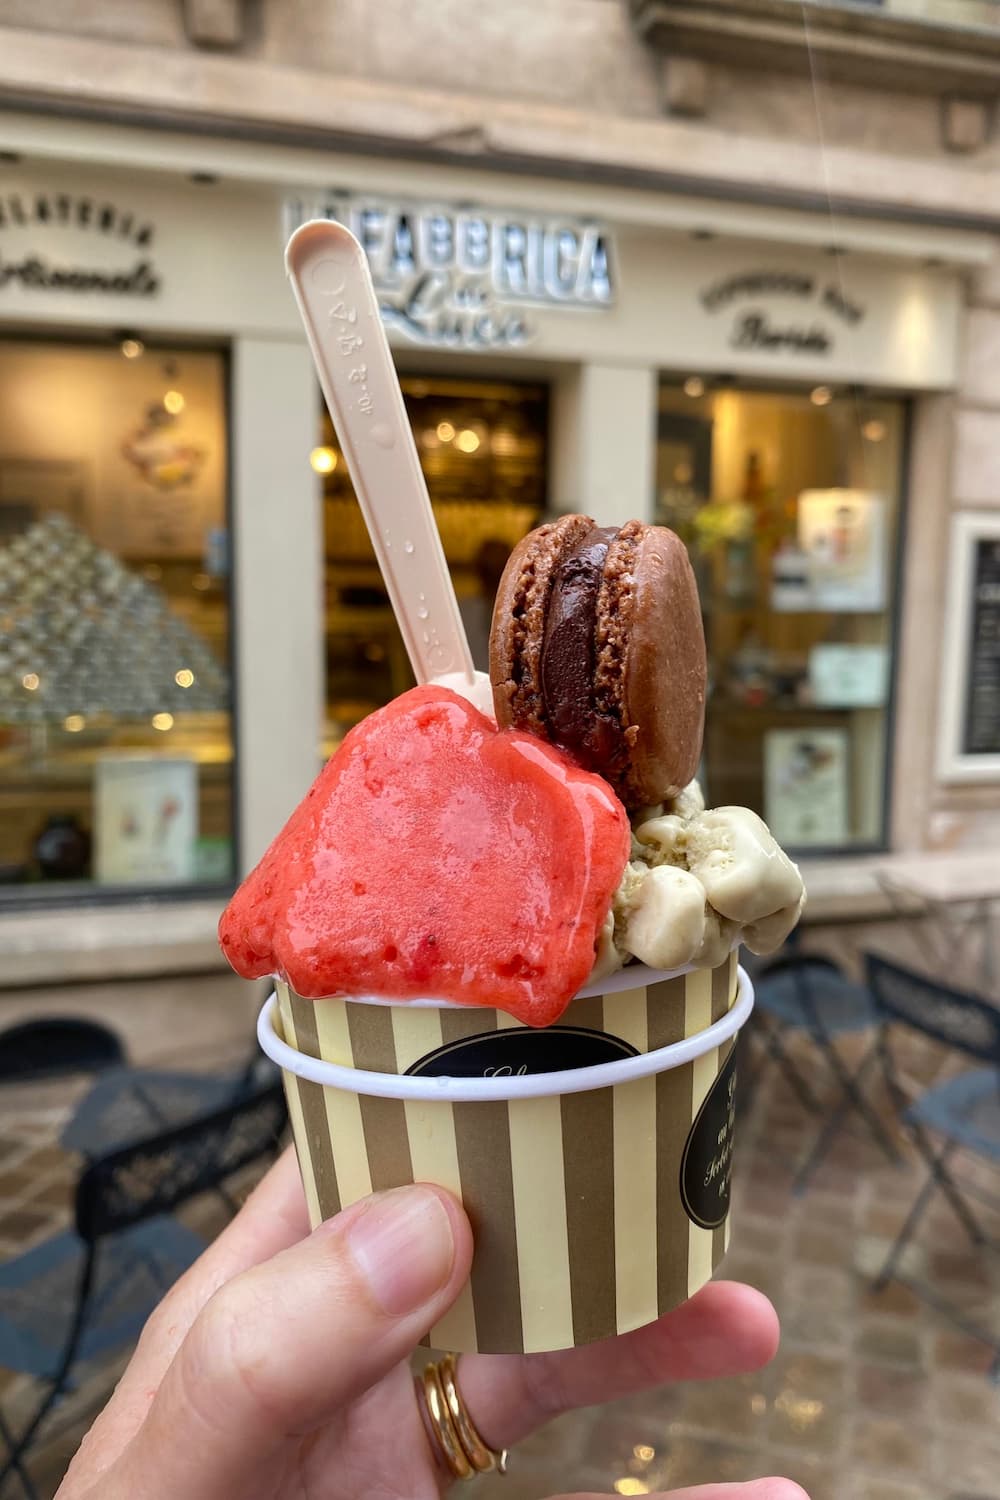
(115, 740)
(483, 451)
(790, 505)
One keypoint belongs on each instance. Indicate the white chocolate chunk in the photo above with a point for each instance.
(745, 874)
(643, 814)
(665, 924)
(719, 940)
(668, 837)
(770, 932)
(607, 958)
(689, 802)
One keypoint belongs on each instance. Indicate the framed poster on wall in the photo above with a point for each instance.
(969, 733)
(843, 535)
(805, 786)
(145, 820)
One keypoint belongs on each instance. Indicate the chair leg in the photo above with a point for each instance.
(854, 1098)
(779, 1053)
(60, 1378)
(937, 1162)
(14, 1464)
(19, 1446)
(820, 1147)
(888, 1268)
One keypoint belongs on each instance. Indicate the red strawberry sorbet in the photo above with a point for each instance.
(436, 856)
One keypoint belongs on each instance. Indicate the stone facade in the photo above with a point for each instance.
(571, 90)
(568, 82)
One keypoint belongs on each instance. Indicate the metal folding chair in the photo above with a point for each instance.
(810, 995)
(962, 1112)
(86, 1292)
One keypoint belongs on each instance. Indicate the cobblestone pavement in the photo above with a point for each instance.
(871, 1397)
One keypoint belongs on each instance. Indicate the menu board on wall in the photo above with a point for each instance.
(981, 716)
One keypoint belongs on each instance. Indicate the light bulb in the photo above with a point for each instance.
(163, 722)
(694, 386)
(174, 403)
(323, 460)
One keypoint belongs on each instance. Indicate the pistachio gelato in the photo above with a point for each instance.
(699, 881)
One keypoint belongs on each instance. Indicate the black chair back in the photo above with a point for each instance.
(157, 1174)
(53, 1046)
(952, 1017)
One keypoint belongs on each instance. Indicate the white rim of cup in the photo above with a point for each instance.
(527, 1086)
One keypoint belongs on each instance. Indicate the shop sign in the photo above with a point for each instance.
(467, 278)
(781, 311)
(73, 242)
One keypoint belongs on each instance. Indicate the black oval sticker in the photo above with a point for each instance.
(510, 1054)
(707, 1163)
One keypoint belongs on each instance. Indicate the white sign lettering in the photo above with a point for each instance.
(466, 278)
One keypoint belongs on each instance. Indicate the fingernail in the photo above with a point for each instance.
(403, 1246)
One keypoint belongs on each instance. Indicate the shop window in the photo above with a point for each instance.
(790, 507)
(483, 450)
(115, 731)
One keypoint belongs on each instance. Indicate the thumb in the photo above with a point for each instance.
(279, 1350)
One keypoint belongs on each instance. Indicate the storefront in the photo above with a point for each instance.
(191, 613)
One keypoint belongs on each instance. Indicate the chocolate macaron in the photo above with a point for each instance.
(597, 645)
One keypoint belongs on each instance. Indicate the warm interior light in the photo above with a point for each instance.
(163, 722)
(467, 440)
(184, 678)
(323, 460)
(132, 348)
(694, 386)
(873, 430)
(74, 723)
(445, 431)
(821, 395)
(31, 682)
(174, 402)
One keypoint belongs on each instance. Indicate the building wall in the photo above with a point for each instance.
(562, 90)
(569, 80)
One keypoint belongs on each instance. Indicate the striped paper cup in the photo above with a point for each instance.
(593, 1157)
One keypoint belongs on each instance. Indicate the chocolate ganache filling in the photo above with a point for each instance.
(569, 656)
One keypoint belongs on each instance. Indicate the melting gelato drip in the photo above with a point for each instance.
(698, 882)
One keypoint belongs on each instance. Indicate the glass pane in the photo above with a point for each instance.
(483, 450)
(115, 736)
(789, 504)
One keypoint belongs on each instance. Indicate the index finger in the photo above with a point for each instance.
(725, 1329)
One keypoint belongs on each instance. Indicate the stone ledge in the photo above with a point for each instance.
(121, 942)
(849, 45)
